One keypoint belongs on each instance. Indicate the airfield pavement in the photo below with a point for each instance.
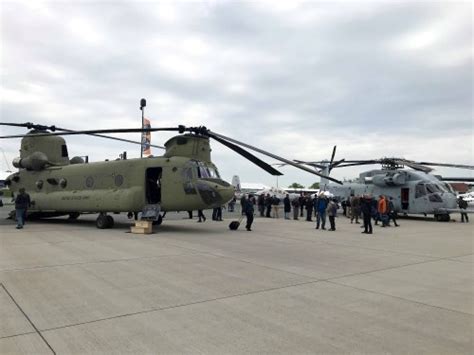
(69, 288)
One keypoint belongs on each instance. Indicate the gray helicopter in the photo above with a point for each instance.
(414, 191)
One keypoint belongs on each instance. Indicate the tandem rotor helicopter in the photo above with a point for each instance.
(414, 191)
(183, 179)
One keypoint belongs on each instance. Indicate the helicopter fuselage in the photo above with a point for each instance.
(175, 183)
(183, 179)
(413, 192)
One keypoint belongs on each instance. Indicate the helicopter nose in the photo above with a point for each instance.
(227, 193)
(451, 201)
(215, 194)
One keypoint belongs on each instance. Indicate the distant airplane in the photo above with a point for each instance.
(258, 189)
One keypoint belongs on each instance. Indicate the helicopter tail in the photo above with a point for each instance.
(236, 184)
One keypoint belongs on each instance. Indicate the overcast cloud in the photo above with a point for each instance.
(295, 78)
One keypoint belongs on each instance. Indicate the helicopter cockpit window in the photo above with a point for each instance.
(448, 187)
(203, 172)
(213, 173)
(64, 151)
(432, 188)
(420, 190)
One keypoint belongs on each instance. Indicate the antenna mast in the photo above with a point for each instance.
(142, 138)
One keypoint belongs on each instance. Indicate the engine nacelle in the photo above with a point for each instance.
(34, 161)
(388, 179)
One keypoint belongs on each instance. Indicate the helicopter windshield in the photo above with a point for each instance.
(432, 188)
(207, 172)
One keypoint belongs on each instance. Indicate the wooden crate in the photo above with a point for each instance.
(142, 227)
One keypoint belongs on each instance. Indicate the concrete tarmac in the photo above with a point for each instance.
(69, 288)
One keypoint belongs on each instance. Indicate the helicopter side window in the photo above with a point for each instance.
(420, 190)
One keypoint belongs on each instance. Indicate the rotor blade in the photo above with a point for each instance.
(310, 163)
(276, 157)
(336, 164)
(460, 166)
(247, 155)
(113, 138)
(332, 156)
(413, 165)
(96, 131)
(354, 163)
(460, 179)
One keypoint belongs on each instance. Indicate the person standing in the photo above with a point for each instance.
(261, 204)
(287, 206)
(462, 203)
(366, 209)
(309, 208)
(201, 216)
(321, 203)
(275, 206)
(243, 201)
(249, 209)
(392, 214)
(332, 212)
(301, 201)
(296, 208)
(22, 202)
(231, 204)
(355, 208)
(268, 206)
(382, 210)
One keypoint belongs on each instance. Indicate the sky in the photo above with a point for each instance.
(295, 78)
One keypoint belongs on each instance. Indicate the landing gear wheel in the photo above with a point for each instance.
(110, 221)
(102, 221)
(158, 221)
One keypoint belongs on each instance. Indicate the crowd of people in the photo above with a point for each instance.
(323, 207)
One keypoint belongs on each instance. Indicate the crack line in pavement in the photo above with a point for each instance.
(17, 335)
(399, 297)
(96, 262)
(331, 278)
(28, 318)
(151, 310)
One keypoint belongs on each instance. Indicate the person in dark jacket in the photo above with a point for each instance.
(392, 214)
(22, 202)
(249, 209)
(268, 206)
(301, 201)
(309, 208)
(366, 207)
(201, 216)
(261, 204)
(287, 206)
(462, 203)
(296, 208)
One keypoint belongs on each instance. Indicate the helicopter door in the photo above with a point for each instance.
(153, 185)
(405, 198)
